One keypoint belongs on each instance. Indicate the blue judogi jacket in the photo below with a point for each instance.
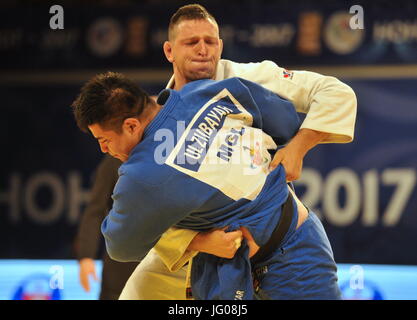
(202, 164)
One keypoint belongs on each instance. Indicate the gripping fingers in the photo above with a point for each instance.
(238, 242)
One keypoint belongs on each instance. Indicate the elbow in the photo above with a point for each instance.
(344, 97)
(346, 102)
(350, 95)
(347, 94)
(117, 252)
(351, 103)
(121, 253)
(121, 258)
(121, 248)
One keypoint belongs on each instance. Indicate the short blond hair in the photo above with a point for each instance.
(188, 12)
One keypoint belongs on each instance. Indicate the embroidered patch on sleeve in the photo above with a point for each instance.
(287, 74)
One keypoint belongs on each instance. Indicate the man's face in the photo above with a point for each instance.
(194, 50)
(118, 145)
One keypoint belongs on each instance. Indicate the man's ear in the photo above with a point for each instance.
(131, 125)
(168, 51)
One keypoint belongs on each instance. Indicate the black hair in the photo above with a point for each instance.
(108, 99)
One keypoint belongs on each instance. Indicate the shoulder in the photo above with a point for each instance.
(147, 173)
(228, 68)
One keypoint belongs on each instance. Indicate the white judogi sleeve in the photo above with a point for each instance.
(330, 104)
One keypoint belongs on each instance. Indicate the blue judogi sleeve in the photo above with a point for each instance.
(277, 116)
(135, 208)
(141, 213)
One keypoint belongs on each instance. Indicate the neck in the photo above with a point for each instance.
(178, 85)
(179, 80)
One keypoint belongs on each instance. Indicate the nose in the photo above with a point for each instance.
(202, 48)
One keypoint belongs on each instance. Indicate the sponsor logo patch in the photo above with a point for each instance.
(287, 74)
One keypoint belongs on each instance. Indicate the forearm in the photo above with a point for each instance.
(292, 155)
(196, 243)
(217, 242)
(305, 140)
(177, 246)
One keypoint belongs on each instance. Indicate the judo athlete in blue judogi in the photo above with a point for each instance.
(212, 174)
